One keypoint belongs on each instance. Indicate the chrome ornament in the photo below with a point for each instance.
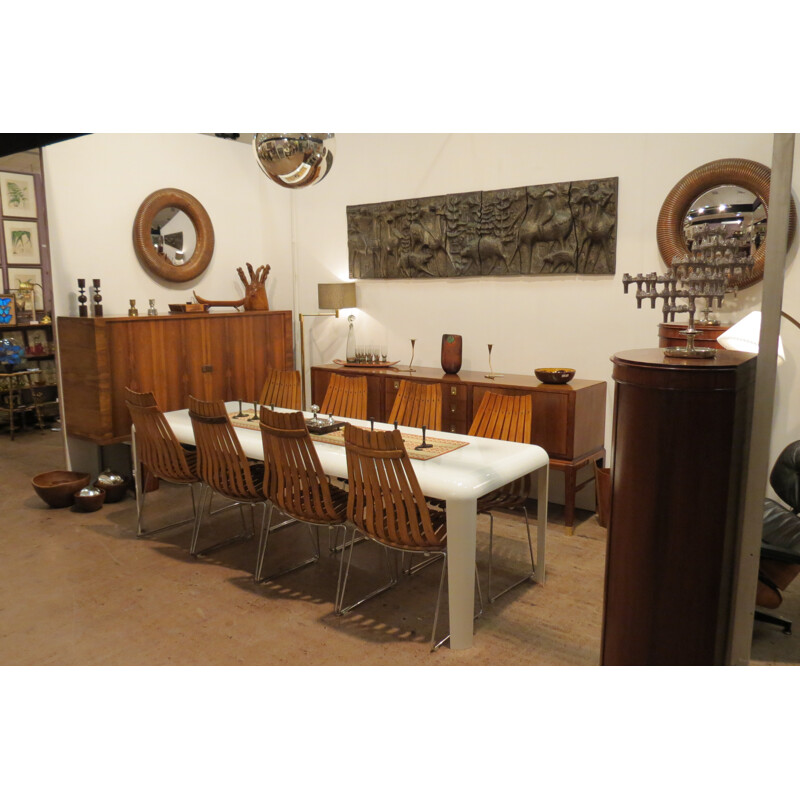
(295, 160)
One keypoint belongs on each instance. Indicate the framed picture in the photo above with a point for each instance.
(18, 195)
(18, 337)
(22, 242)
(25, 284)
(8, 311)
(35, 342)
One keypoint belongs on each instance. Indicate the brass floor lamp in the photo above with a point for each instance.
(334, 296)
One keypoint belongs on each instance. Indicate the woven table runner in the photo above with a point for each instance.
(411, 440)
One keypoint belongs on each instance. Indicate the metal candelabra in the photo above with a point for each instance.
(689, 278)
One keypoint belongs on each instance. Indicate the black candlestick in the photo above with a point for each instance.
(82, 310)
(423, 446)
(240, 415)
(98, 309)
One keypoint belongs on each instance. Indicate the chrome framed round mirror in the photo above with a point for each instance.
(172, 235)
(724, 205)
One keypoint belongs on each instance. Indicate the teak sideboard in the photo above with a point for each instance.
(212, 356)
(568, 420)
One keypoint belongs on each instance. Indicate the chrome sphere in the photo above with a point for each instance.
(295, 160)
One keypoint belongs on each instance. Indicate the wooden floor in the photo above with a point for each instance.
(81, 589)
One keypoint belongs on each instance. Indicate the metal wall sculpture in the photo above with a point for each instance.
(557, 228)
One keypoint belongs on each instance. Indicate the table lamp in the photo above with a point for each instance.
(745, 335)
(334, 296)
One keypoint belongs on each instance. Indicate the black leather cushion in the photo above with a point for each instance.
(781, 526)
(785, 476)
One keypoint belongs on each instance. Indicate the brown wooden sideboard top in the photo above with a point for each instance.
(211, 356)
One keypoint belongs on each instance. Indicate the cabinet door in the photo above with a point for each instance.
(254, 344)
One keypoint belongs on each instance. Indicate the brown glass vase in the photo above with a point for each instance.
(451, 353)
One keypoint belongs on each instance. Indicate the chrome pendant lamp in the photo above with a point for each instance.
(295, 160)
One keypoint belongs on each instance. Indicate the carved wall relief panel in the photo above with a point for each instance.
(557, 228)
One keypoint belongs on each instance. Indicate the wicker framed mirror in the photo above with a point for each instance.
(172, 235)
(729, 173)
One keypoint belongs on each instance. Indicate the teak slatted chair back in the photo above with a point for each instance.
(297, 483)
(503, 416)
(158, 450)
(506, 417)
(385, 500)
(346, 397)
(156, 445)
(386, 503)
(418, 404)
(222, 465)
(281, 389)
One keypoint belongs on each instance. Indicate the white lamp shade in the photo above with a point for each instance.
(745, 335)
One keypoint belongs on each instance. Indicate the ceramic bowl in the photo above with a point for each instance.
(115, 486)
(57, 488)
(89, 498)
(554, 374)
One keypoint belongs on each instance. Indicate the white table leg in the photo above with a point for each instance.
(541, 521)
(461, 523)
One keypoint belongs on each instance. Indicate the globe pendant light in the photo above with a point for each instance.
(295, 160)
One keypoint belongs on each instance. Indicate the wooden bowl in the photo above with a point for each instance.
(554, 374)
(57, 488)
(91, 502)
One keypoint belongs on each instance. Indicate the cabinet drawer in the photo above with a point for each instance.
(454, 408)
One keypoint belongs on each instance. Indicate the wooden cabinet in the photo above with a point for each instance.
(211, 356)
(669, 334)
(681, 432)
(568, 420)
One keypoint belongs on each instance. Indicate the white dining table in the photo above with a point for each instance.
(458, 477)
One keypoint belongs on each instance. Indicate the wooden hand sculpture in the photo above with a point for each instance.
(255, 295)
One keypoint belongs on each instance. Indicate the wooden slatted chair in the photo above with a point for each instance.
(297, 484)
(418, 404)
(282, 389)
(223, 467)
(507, 417)
(159, 452)
(346, 397)
(386, 504)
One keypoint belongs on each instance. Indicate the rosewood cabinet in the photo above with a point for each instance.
(568, 421)
(669, 334)
(211, 356)
(681, 433)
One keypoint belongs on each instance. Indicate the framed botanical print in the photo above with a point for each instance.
(18, 195)
(22, 242)
(8, 311)
(26, 284)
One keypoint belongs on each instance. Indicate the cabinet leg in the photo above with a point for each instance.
(569, 500)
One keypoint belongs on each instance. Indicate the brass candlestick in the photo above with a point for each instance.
(492, 374)
(411, 361)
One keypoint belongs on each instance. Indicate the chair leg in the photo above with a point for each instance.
(774, 619)
(141, 495)
(526, 577)
(339, 602)
(240, 537)
(263, 549)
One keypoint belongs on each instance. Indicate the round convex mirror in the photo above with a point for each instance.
(712, 187)
(725, 222)
(172, 235)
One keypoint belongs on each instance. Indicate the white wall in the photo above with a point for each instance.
(95, 185)
(574, 321)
